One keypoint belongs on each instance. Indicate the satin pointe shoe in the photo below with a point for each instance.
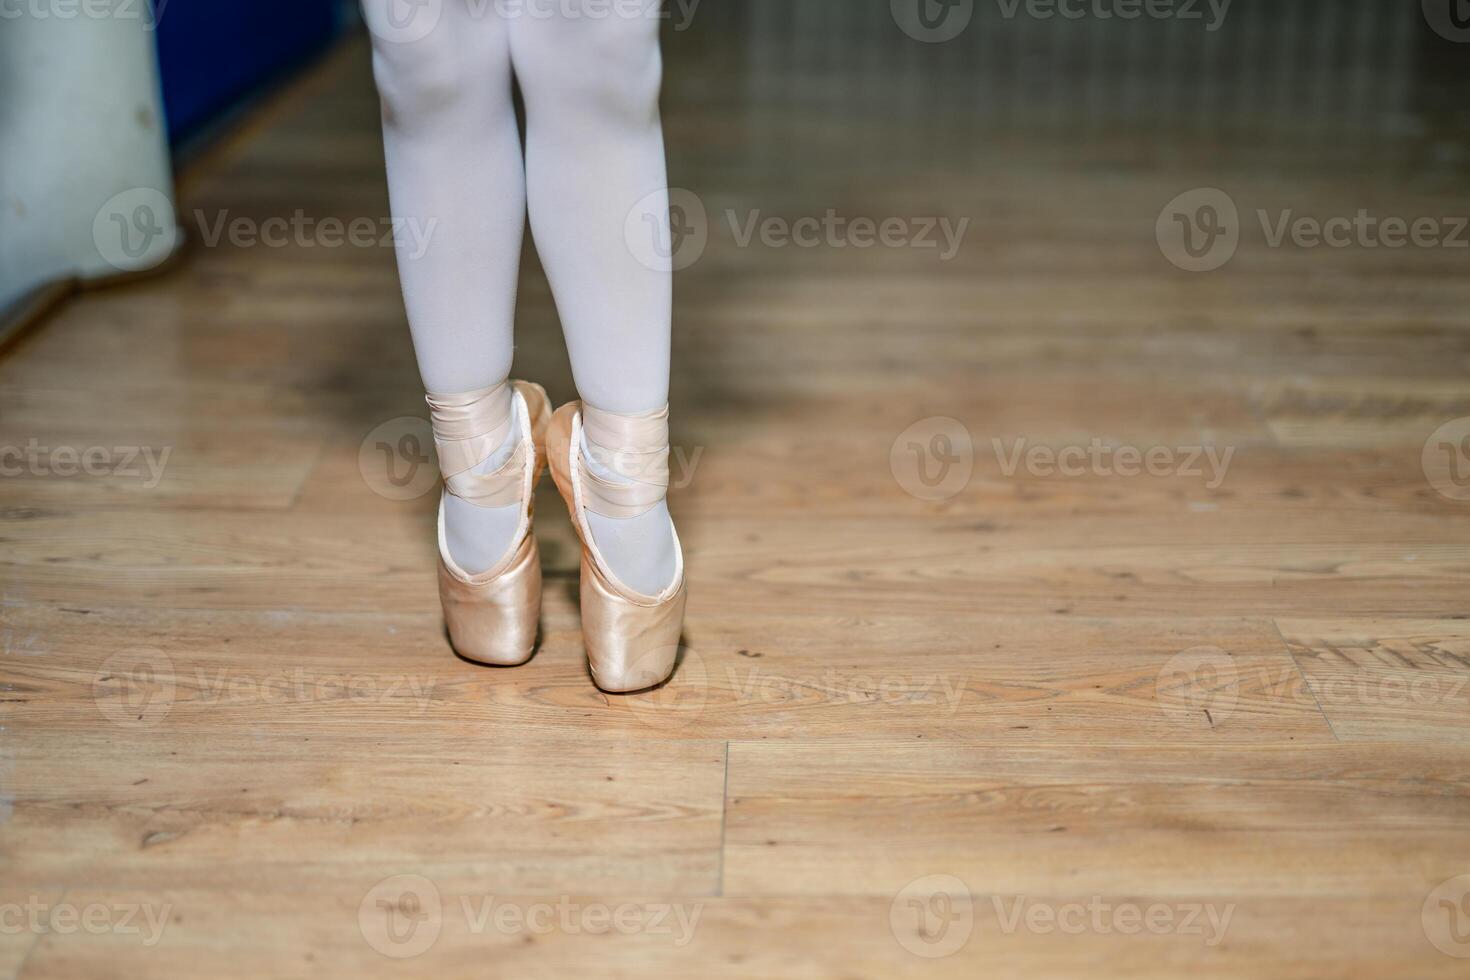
(632, 639)
(492, 617)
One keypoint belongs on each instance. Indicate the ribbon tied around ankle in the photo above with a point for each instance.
(636, 447)
(468, 429)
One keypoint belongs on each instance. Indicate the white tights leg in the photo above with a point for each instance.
(594, 151)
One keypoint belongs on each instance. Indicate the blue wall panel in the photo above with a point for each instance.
(212, 53)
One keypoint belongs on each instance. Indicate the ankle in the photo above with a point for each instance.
(626, 460)
(477, 434)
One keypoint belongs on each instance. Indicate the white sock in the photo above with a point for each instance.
(639, 550)
(479, 537)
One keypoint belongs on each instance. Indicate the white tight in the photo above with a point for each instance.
(594, 150)
(593, 154)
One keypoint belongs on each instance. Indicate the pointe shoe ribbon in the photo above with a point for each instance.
(632, 639)
(468, 428)
(492, 617)
(636, 447)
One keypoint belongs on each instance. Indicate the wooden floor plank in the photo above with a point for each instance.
(308, 933)
(228, 708)
(812, 677)
(1388, 678)
(1270, 820)
(115, 810)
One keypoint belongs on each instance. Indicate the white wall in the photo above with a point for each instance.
(85, 183)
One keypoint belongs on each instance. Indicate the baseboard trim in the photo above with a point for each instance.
(24, 314)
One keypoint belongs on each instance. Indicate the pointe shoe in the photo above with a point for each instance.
(492, 617)
(632, 639)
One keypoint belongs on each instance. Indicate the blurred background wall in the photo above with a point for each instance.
(80, 122)
(90, 102)
(213, 53)
(92, 96)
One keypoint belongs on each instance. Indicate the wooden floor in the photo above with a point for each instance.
(1047, 725)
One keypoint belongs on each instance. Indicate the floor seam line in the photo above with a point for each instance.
(724, 808)
(1306, 681)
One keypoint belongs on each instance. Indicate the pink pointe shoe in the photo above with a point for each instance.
(492, 617)
(632, 639)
